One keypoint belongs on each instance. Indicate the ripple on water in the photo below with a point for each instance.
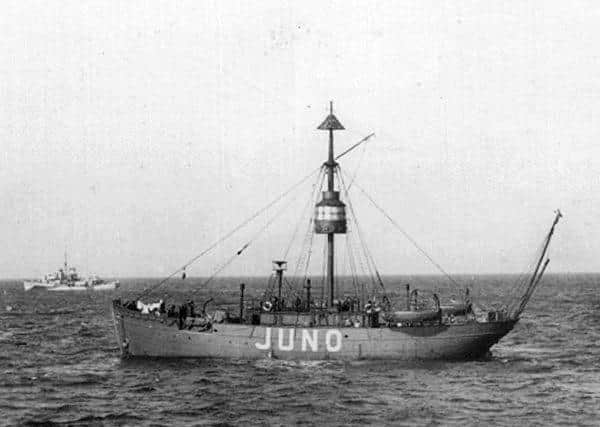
(60, 364)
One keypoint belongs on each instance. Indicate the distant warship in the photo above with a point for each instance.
(68, 279)
(289, 322)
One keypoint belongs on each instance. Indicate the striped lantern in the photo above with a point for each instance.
(330, 214)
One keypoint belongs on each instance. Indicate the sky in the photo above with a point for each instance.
(136, 134)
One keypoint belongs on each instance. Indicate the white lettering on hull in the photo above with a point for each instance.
(309, 340)
(338, 340)
(290, 345)
(267, 344)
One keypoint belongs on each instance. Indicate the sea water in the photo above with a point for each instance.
(60, 365)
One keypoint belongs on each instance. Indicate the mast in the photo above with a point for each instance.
(330, 215)
(330, 236)
(279, 267)
(331, 164)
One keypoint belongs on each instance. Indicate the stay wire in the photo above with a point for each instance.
(513, 296)
(375, 277)
(408, 236)
(352, 263)
(302, 259)
(368, 271)
(226, 236)
(516, 294)
(244, 247)
(152, 288)
(365, 271)
(530, 268)
(307, 247)
(324, 272)
(302, 213)
(310, 238)
(241, 225)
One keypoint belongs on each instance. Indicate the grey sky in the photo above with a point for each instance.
(136, 133)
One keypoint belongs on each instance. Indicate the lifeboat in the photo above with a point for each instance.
(456, 309)
(414, 316)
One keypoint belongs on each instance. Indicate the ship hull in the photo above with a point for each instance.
(110, 286)
(102, 287)
(28, 286)
(31, 285)
(150, 336)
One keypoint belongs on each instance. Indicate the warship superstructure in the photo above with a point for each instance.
(68, 279)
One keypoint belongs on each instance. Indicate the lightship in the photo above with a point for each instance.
(366, 325)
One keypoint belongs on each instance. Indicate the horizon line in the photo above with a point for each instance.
(233, 276)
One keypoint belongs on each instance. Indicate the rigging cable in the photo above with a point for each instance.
(302, 212)
(226, 236)
(352, 263)
(152, 288)
(244, 247)
(407, 236)
(521, 281)
(371, 269)
(368, 257)
(365, 271)
(310, 238)
(306, 245)
(535, 277)
(303, 260)
(324, 274)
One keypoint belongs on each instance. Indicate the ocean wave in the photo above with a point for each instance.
(61, 366)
